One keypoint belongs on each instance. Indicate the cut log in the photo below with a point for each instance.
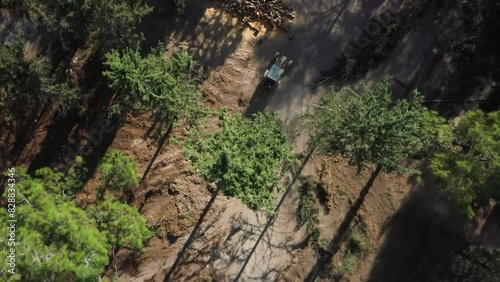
(274, 12)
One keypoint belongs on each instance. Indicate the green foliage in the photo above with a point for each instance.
(349, 265)
(66, 185)
(106, 23)
(30, 83)
(481, 132)
(243, 158)
(307, 209)
(12, 63)
(368, 127)
(471, 169)
(357, 248)
(166, 86)
(308, 213)
(358, 243)
(56, 240)
(118, 172)
(436, 132)
(457, 176)
(123, 225)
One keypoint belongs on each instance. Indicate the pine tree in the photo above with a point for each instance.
(167, 86)
(27, 84)
(243, 158)
(367, 127)
(470, 169)
(118, 172)
(123, 225)
(55, 239)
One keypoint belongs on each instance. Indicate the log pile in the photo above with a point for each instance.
(274, 12)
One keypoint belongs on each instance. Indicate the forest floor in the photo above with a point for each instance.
(223, 247)
(205, 236)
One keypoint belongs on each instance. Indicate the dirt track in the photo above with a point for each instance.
(235, 60)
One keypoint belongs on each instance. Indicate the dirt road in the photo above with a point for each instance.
(235, 60)
(317, 33)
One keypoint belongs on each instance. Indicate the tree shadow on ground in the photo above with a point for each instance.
(206, 248)
(209, 36)
(491, 228)
(185, 256)
(315, 43)
(55, 140)
(161, 143)
(259, 100)
(421, 241)
(270, 222)
(342, 232)
(237, 252)
(20, 134)
(72, 135)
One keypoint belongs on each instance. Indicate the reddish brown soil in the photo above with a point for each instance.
(396, 213)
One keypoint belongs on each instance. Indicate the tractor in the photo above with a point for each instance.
(274, 73)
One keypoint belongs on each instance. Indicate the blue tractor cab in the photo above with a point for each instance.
(274, 74)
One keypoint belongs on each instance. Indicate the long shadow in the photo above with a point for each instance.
(156, 26)
(272, 219)
(265, 237)
(343, 230)
(236, 252)
(27, 119)
(421, 241)
(158, 150)
(56, 138)
(375, 48)
(192, 237)
(98, 152)
(59, 148)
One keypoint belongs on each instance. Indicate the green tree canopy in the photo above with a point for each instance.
(243, 158)
(122, 224)
(436, 133)
(165, 85)
(108, 23)
(367, 127)
(471, 168)
(118, 172)
(56, 240)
